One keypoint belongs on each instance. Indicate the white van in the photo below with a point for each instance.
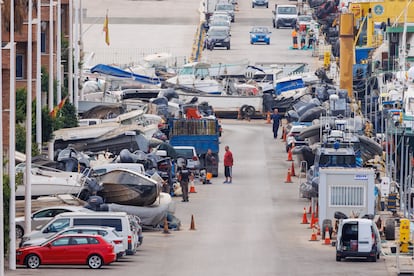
(285, 16)
(358, 237)
(117, 220)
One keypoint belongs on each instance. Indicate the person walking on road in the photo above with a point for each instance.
(295, 38)
(184, 176)
(228, 165)
(276, 118)
(210, 161)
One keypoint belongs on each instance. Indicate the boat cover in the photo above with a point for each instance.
(117, 72)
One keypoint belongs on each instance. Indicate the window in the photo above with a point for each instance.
(57, 225)
(110, 222)
(79, 240)
(93, 241)
(19, 66)
(347, 196)
(43, 42)
(61, 241)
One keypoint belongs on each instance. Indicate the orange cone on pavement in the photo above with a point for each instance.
(310, 209)
(166, 230)
(192, 187)
(292, 169)
(314, 237)
(304, 217)
(268, 118)
(327, 237)
(288, 177)
(289, 158)
(284, 134)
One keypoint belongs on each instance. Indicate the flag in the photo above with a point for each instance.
(55, 110)
(106, 29)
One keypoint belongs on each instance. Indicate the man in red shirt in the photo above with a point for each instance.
(228, 164)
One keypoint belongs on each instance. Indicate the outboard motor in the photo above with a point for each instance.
(96, 203)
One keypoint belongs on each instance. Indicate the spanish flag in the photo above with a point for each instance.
(106, 29)
(55, 110)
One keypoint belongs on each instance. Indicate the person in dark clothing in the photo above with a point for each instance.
(184, 176)
(276, 118)
(210, 161)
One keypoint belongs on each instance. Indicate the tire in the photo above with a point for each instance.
(372, 259)
(274, 25)
(268, 42)
(338, 259)
(250, 111)
(95, 261)
(228, 47)
(19, 232)
(267, 5)
(32, 261)
(277, 26)
(389, 230)
(253, 6)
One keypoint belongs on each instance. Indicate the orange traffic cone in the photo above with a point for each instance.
(304, 217)
(289, 158)
(268, 118)
(292, 169)
(192, 188)
(327, 237)
(314, 237)
(310, 209)
(288, 177)
(284, 135)
(192, 225)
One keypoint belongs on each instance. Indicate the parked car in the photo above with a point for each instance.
(108, 233)
(217, 37)
(118, 220)
(136, 228)
(285, 16)
(260, 34)
(80, 249)
(293, 136)
(227, 7)
(304, 19)
(43, 216)
(358, 237)
(260, 3)
(190, 156)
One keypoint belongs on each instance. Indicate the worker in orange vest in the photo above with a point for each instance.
(295, 38)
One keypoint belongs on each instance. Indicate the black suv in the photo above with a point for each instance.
(217, 37)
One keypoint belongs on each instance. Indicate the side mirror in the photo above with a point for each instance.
(49, 245)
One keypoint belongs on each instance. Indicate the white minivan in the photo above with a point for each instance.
(358, 237)
(118, 220)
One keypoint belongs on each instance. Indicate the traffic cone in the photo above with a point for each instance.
(239, 117)
(292, 169)
(310, 209)
(288, 177)
(314, 237)
(192, 225)
(289, 158)
(318, 230)
(312, 221)
(304, 217)
(327, 237)
(192, 187)
(268, 118)
(166, 230)
(284, 134)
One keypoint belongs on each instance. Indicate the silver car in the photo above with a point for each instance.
(43, 216)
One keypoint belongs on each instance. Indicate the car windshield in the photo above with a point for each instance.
(187, 153)
(305, 18)
(220, 17)
(224, 7)
(219, 23)
(286, 10)
(260, 30)
(217, 33)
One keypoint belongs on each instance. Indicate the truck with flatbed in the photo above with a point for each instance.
(201, 133)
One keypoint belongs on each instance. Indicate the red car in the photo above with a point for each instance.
(92, 250)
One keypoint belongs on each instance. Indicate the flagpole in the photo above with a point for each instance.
(28, 178)
(59, 52)
(51, 72)
(12, 144)
(80, 48)
(76, 67)
(39, 77)
(1, 148)
(70, 56)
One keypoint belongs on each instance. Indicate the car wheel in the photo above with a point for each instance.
(251, 41)
(268, 42)
(19, 232)
(94, 261)
(228, 47)
(274, 25)
(32, 261)
(277, 25)
(338, 258)
(250, 111)
(253, 6)
(267, 5)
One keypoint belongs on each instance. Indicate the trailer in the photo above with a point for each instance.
(346, 190)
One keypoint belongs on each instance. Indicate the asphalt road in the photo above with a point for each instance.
(248, 228)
